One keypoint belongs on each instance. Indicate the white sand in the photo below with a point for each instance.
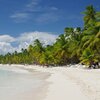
(70, 83)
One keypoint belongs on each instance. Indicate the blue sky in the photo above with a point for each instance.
(23, 21)
(18, 16)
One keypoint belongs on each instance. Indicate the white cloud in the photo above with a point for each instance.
(32, 3)
(24, 40)
(6, 38)
(5, 48)
(31, 36)
(47, 17)
(20, 17)
(54, 8)
(36, 10)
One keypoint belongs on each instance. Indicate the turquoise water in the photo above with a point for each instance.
(13, 83)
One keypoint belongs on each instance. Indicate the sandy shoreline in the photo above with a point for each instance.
(68, 83)
(20, 83)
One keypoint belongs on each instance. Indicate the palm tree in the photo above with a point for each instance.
(38, 45)
(88, 57)
(74, 45)
(60, 48)
(69, 32)
(89, 18)
(38, 50)
(47, 55)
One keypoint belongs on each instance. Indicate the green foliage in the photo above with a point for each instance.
(89, 18)
(88, 57)
(76, 45)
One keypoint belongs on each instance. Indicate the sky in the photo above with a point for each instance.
(38, 19)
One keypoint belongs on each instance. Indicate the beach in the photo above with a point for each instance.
(22, 84)
(64, 83)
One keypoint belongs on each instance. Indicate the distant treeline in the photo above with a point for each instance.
(76, 45)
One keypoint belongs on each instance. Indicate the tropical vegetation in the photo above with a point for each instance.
(76, 45)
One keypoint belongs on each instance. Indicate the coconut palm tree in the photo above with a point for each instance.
(60, 48)
(88, 57)
(89, 18)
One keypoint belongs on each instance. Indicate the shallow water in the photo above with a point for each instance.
(14, 84)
